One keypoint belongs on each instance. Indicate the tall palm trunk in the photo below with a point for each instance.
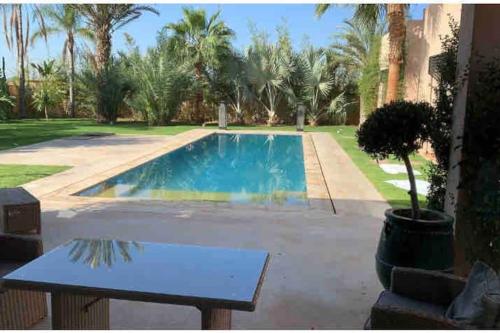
(397, 32)
(271, 113)
(71, 50)
(103, 52)
(362, 111)
(199, 94)
(239, 111)
(20, 61)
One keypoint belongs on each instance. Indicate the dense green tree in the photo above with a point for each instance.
(204, 42)
(441, 120)
(114, 94)
(64, 19)
(230, 84)
(358, 47)
(103, 20)
(161, 84)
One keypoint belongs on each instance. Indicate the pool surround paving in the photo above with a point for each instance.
(321, 272)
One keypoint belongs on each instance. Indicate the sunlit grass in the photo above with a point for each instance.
(12, 175)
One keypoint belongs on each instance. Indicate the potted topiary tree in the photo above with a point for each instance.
(411, 237)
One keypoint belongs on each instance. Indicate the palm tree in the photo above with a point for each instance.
(49, 93)
(103, 20)
(236, 87)
(357, 40)
(162, 83)
(16, 26)
(370, 13)
(318, 83)
(65, 20)
(97, 252)
(269, 70)
(201, 41)
(359, 49)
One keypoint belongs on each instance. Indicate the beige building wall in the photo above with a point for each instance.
(423, 41)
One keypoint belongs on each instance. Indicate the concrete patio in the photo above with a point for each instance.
(321, 274)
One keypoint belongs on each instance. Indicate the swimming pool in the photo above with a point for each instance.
(219, 167)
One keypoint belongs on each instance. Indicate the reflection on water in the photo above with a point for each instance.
(221, 167)
(97, 252)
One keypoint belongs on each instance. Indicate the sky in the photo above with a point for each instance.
(299, 18)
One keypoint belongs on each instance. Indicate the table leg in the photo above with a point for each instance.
(215, 319)
(77, 312)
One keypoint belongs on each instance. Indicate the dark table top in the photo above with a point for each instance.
(152, 272)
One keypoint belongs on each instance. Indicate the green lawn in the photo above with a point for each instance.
(346, 137)
(12, 175)
(23, 132)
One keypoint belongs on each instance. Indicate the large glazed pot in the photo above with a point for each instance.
(425, 243)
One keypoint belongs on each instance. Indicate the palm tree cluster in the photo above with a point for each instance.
(16, 26)
(65, 20)
(194, 67)
(367, 16)
(358, 47)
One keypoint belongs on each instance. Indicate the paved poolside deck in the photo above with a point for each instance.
(321, 273)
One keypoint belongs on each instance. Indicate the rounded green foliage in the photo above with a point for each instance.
(398, 129)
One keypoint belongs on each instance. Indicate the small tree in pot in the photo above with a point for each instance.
(398, 129)
(418, 237)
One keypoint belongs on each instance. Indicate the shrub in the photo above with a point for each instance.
(6, 101)
(119, 87)
(398, 129)
(440, 124)
(478, 200)
(162, 86)
(49, 93)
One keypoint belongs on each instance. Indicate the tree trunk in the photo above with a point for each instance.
(20, 61)
(313, 121)
(271, 118)
(71, 49)
(103, 52)
(46, 113)
(198, 68)
(239, 111)
(362, 111)
(397, 32)
(413, 189)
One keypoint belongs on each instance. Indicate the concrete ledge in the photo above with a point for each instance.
(349, 188)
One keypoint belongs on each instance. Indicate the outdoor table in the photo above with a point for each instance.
(83, 274)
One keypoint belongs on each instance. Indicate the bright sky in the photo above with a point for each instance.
(299, 19)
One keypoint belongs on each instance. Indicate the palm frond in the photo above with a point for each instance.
(321, 9)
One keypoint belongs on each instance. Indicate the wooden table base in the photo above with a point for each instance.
(76, 312)
(215, 319)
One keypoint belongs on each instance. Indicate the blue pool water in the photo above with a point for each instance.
(219, 167)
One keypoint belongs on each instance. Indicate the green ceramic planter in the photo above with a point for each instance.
(425, 243)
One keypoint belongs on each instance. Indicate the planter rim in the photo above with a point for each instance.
(443, 219)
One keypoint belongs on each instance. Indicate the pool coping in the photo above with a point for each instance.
(318, 194)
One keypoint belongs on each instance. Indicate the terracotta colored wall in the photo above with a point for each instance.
(423, 41)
